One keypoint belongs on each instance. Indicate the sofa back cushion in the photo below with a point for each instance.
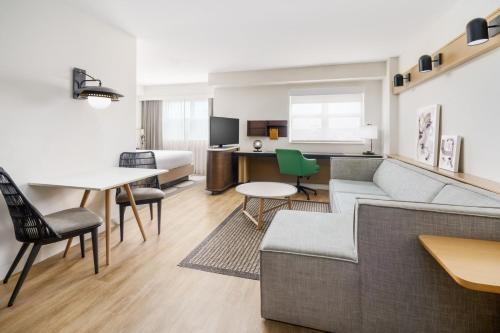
(406, 184)
(460, 195)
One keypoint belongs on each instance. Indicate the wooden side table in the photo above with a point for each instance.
(265, 190)
(472, 263)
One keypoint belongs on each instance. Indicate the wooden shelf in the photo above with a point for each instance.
(261, 127)
(472, 263)
(458, 176)
(453, 54)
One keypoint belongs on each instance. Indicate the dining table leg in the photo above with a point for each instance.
(134, 209)
(83, 202)
(107, 218)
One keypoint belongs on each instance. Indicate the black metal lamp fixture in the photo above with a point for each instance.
(425, 62)
(399, 79)
(478, 31)
(99, 97)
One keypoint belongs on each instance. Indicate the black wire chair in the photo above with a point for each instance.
(146, 191)
(30, 226)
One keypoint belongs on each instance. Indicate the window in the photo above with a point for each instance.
(326, 118)
(185, 120)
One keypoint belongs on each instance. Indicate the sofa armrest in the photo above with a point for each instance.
(402, 284)
(357, 168)
(308, 276)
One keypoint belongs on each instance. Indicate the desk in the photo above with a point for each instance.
(262, 166)
(102, 180)
(472, 263)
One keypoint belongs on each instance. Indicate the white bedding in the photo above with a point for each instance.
(170, 159)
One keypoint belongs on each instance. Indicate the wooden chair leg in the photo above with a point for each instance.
(95, 250)
(20, 254)
(82, 245)
(159, 216)
(151, 211)
(24, 273)
(122, 221)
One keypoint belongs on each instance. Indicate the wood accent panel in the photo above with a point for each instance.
(455, 53)
(243, 169)
(267, 169)
(472, 263)
(483, 183)
(176, 173)
(262, 127)
(144, 283)
(221, 171)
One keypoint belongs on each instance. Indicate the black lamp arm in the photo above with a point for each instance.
(92, 79)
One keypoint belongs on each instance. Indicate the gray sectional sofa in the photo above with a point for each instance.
(361, 268)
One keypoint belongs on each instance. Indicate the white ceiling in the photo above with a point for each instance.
(181, 41)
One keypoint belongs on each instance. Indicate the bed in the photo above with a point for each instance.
(178, 162)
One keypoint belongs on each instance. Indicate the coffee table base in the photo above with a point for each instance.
(257, 219)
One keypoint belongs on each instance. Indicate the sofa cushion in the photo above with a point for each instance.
(344, 203)
(311, 234)
(455, 195)
(353, 186)
(405, 184)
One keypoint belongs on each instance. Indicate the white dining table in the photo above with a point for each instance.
(104, 179)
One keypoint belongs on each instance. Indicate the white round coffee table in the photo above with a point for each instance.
(265, 190)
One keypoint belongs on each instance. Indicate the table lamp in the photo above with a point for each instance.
(369, 132)
(139, 132)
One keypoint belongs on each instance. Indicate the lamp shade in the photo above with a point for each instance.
(477, 31)
(425, 63)
(398, 80)
(368, 132)
(98, 91)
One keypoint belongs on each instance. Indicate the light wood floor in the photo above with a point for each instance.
(143, 290)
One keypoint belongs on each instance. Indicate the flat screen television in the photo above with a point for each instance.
(224, 131)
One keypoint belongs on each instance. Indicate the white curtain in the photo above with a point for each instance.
(185, 127)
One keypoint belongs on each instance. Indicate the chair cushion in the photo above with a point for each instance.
(141, 193)
(405, 184)
(72, 219)
(312, 234)
(354, 186)
(454, 195)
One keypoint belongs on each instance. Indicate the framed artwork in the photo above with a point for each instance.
(449, 153)
(428, 134)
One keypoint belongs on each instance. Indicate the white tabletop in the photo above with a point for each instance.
(98, 180)
(266, 189)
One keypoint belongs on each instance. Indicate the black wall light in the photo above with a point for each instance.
(478, 31)
(425, 62)
(399, 79)
(99, 97)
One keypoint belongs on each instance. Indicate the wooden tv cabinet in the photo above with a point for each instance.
(222, 169)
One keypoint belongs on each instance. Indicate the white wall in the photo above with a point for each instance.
(43, 130)
(271, 102)
(469, 94)
(173, 91)
(320, 73)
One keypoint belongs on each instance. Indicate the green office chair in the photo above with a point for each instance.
(292, 162)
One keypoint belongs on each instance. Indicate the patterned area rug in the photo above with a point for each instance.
(233, 247)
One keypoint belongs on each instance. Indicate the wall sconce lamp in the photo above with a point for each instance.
(477, 30)
(99, 97)
(399, 79)
(425, 62)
